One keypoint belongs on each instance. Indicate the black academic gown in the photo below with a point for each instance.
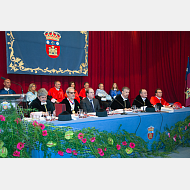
(37, 104)
(138, 101)
(68, 107)
(118, 103)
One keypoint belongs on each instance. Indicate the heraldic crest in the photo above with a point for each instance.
(52, 44)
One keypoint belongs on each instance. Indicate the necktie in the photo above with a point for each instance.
(124, 104)
(92, 105)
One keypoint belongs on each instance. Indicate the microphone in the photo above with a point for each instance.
(14, 83)
(139, 101)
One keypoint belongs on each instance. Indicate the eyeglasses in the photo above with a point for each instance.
(72, 92)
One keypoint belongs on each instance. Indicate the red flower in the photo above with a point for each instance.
(185, 127)
(124, 143)
(105, 149)
(2, 118)
(118, 147)
(20, 145)
(92, 139)
(18, 120)
(101, 153)
(60, 153)
(44, 133)
(84, 140)
(75, 152)
(16, 153)
(42, 126)
(68, 150)
(189, 124)
(99, 150)
(80, 135)
(35, 123)
(132, 145)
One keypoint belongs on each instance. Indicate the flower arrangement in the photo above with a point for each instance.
(19, 138)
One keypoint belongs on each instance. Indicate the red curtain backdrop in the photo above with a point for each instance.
(136, 59)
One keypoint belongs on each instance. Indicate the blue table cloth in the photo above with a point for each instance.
(137, 123)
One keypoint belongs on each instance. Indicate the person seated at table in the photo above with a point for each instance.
(90, 104)
(82, 93)
(141, 99)
(121, 101)
(56, 93)
(101, 92)
(7, 89)
(72, 105)
(32, 93)
(158, 98)
(72, 84)
(41, 103)
(114, 90)
(102, 96)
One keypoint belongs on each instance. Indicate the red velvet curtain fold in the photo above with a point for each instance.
(137, 59)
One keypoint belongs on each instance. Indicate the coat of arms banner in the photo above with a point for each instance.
(58, 53)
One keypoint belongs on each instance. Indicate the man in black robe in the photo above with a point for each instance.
(41, 103)
(121, 101)
(141, 99)
(72, 105)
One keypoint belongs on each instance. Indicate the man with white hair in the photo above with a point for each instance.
(72, 105)
(41, 103)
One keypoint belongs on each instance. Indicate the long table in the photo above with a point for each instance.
(137, 123)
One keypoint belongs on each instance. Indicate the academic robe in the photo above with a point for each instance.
(10, 91)
(82, 93)
(118, 103)
(56, 94)
(154, 100)
(37, 104)
(138, 101)
(68, 106)
(76, 96)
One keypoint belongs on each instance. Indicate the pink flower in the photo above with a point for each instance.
(101, 153)
(105, 149)
(99, 150)
(60, 153)
(84, 140)
(118, 147)
(169, 135)
(20, 145)
(68, 150)
(174, 139)
(175, 136)
(75, 152)
(80, 135)
(16, 153)
(42, 126)
(17, 120)
(188, 124)
(44, 133)
(92, 139)
(179, 136)
(185, 127)
(35, 123)
(132, 145)
(2, 118)
(124, 143)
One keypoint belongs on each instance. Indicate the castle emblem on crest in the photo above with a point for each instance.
(52, 44)
(150, 132)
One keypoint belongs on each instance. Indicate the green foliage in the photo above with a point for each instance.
(19, 138)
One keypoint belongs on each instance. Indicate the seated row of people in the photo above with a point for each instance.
(86, 98)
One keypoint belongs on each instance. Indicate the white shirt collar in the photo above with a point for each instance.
(158, 97)
(42, 103)
(57, 89)
(123, 98)
(7, 89)
(143, 99)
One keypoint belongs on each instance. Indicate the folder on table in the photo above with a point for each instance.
(59, 108)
